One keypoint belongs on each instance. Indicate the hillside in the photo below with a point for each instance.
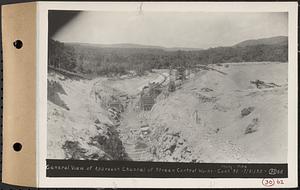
(278, 40)
(119, 59)
(219, 118)
(132, 46)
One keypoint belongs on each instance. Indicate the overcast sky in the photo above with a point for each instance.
(172, 29)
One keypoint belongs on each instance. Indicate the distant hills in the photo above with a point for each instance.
(101, 59)
(121, 45)
(135, 46)
(277, 40)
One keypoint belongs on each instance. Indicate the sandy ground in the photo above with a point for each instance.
(219, 134)
(205, 110)
(82, 99)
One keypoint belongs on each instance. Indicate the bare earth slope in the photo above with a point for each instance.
(236, 115)
(83, 130)
(207, 114)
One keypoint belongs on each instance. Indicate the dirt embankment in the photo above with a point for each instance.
(224, 118)
(211, 117)
(144, 137)
(78, 127)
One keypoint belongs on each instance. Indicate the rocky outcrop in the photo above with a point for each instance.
(105, 145)
(108, 140)
(261, 84)
(247, 111)
(171, 147)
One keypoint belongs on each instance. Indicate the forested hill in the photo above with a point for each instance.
(118, 59)
(278, 40)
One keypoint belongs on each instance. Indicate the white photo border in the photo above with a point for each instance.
(105, 182)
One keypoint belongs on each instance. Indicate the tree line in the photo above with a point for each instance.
(95, 60)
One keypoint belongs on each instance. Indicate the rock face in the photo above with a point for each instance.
(108, 141)
(171, 147)
(105, 145)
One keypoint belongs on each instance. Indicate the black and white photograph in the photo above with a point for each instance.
(167, 86)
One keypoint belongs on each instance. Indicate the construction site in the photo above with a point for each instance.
(205, 113)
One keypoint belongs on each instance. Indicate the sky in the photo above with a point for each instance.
(172, 29)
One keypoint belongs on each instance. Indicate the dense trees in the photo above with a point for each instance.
(97, 60)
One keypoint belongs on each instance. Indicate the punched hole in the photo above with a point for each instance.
(18, 44)
(17, 147)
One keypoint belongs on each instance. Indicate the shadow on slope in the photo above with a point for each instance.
(54, 89)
